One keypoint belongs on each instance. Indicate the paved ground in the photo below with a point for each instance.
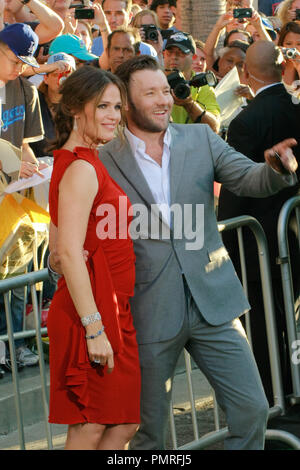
(185, 431)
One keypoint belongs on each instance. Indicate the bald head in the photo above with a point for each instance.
(264, 61)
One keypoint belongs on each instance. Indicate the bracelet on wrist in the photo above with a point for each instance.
(89, 319)
(96, 334)
(54, 276)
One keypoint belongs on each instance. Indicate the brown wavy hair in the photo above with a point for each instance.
(290, 27)
(82, 86)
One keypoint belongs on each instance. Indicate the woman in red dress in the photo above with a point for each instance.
(94, 367)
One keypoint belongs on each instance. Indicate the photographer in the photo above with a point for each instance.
(201, 105)
(147, 23)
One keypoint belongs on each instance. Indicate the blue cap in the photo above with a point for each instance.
(22, 41)
(71, 44)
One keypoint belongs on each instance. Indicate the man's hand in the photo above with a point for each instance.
(186, 102)
(244, 91)
(287, 161)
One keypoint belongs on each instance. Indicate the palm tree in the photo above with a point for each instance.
(199, 16)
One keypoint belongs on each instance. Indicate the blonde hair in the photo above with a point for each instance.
(283, 9)
(139, 16)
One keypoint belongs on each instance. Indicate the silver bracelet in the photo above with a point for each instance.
(97, 334)
(54, 276)
(88, 319)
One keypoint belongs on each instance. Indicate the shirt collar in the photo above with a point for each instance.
(266, 87)
(136, 142)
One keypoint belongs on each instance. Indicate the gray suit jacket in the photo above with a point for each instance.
(198, 158)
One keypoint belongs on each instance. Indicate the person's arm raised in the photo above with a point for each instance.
(213, 38)
(50, 24)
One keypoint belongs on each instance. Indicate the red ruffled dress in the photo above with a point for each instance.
(81, 391)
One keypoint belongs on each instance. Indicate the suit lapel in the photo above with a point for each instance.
(122, 155)
(177, 158)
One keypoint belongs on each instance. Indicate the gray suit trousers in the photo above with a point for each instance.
(224, 356)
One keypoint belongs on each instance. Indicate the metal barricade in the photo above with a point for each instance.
(198, 443)
(279, 400)
(284, 260)
(5, 287)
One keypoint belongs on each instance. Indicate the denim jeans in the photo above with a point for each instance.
(17, 307)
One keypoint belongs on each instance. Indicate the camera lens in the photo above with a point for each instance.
(153, 35)
(182, 91)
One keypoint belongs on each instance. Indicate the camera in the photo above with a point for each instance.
(290, 53)
(46, 49)
(182, 87)
(242, 13)
(151, 33)
(84, 13)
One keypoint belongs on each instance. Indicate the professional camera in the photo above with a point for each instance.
(290, 53)
(151, 32)
(182, 88)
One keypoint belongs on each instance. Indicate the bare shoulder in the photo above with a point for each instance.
(79, 177)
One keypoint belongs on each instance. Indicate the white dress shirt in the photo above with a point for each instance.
(157, 177)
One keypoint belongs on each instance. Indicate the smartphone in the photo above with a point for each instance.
(46, 49)
(84, 14)
(297, 13)
(283, 170)
(242, 13)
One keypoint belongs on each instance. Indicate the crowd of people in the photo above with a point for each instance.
(114, 92)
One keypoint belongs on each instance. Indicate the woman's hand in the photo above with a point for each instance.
(99, 348)
(291, 14)
(224, 20)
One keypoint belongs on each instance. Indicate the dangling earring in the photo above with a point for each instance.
(75, 124)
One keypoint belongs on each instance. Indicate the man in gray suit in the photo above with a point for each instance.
(187, 294)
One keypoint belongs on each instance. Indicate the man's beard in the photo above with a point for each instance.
(143, 122)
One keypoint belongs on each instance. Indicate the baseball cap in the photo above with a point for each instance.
(62, 56)
(22, 41)
(184, 41)
(71, 44)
